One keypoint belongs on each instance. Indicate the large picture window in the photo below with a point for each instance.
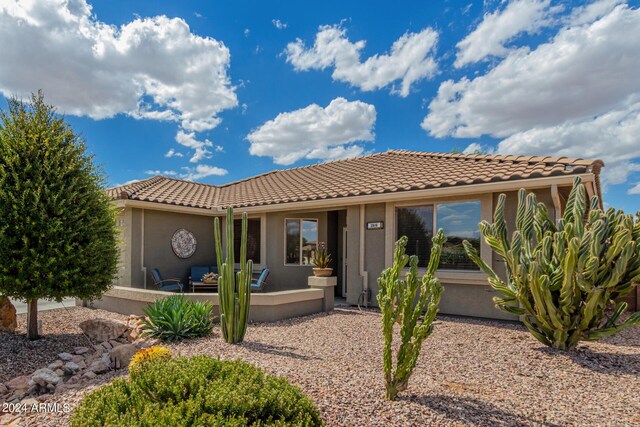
(459, 222)
(253, 239)
(301, 241)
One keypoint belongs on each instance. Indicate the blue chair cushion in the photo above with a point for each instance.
(198, 271)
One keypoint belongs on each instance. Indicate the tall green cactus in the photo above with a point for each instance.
(234, 289)
(562, 278)
(397, 301)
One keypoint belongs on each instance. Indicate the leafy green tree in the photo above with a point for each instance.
(58, 235)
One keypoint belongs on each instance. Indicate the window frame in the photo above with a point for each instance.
(284, 249)
(434, 204)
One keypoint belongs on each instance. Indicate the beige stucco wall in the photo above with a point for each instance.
(374, 246)
(283, 276)
(466, 293)
(267, 307)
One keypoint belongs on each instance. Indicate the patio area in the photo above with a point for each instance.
(265, 307)
(470, 372)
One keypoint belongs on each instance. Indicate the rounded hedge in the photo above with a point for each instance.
(197, 391)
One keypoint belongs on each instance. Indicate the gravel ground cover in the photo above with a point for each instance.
(471, 372)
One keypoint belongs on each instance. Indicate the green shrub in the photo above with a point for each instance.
(175, 318)
(198, 391)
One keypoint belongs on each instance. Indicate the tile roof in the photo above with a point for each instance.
(391, 171)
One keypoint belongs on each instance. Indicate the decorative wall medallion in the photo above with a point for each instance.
(183, 243)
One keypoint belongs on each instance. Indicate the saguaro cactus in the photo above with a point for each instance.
(562, 278)
(397, 301)
(234, 289)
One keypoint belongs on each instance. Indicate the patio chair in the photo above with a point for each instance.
(195, 280)
(169, 285)
(258, 283)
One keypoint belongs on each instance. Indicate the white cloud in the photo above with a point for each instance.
(612, 136)
(314, 132)
(247, 32)
(153, 68)
(189, 140)
(279, 24)
(634, 190)
(591, 12)
(173, 153)
(501, 26)
(202, 171)
(583, 72)
(410, 59)
(577, 95)
(475, 148)
(159, 172)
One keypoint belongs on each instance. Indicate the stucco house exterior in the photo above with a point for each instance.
(358, 207)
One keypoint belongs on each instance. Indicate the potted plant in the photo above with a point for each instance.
(210, 278)
(321, 259)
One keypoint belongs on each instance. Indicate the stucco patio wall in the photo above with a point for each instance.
(265, 307)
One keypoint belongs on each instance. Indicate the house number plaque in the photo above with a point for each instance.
(379, 225)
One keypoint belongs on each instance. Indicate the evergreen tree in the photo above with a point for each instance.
(58, 235)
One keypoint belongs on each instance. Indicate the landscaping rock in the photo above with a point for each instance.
(103, 329)
(81, 350)
(3, 389)
(122, 354)
(8, 322)
(56, 365)
(99, 367)
(106, 345)
(59, 372)
(44, 377)
(71, 368)
(19, 383)
(18, 395)
(77, 359)
(89, 375)
(66, 357)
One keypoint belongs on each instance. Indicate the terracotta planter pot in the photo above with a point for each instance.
(322, 272)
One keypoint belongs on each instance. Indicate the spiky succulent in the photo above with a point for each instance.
(562, 278)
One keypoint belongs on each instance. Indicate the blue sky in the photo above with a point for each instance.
(219, 91)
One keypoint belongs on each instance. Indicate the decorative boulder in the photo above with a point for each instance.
(8, 322)
(19, 383)
(45, 376)
(103, 329)
(122, 354)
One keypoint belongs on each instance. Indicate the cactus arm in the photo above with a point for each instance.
(535, 331)
(597, 334)
(234, 289)
(397, 302)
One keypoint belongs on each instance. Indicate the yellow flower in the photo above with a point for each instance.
(147, 354)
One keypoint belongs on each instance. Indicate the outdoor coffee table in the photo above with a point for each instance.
(204, 285)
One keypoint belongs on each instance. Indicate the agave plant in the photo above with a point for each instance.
(321, 258)
(563, 277)
(175, 318)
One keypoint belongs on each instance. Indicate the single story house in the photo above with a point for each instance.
(357, 207)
